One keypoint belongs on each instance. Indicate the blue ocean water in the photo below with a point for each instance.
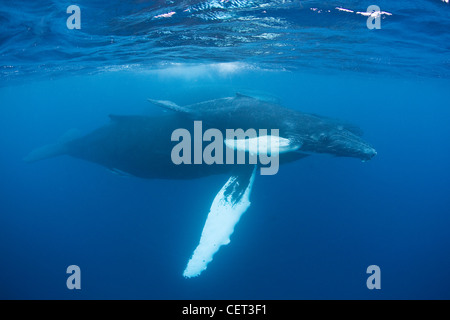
(312, 229)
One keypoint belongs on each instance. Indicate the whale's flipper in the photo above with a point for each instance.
(169, 105)
(263, 145)
(226, 210)
(53, 150)
(261, 96)
(48, 151)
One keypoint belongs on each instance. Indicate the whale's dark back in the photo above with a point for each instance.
(139, 145)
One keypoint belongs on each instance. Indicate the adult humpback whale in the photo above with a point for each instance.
(142, 145)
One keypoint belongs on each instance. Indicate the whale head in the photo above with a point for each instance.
(341, 143)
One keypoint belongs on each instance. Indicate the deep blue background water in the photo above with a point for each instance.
(312, 229)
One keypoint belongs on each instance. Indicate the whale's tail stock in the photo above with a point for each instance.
(52, 150)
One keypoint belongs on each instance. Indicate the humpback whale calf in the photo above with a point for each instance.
(314, 133)
(142, 146)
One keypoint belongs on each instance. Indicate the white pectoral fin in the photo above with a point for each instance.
(268, 144)
(169, 105)
(226, 210)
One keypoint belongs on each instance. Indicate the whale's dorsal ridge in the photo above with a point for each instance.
(241, 95)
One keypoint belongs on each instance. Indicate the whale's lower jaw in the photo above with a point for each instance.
(226, 210)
